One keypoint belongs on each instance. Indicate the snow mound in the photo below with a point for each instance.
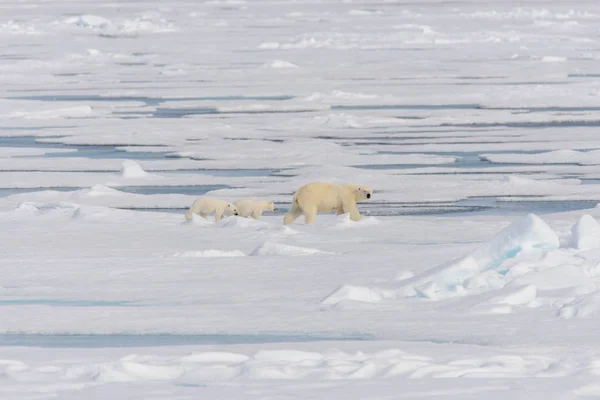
(344, 222)
(585, 234)
(282, 230)
(26, 208)
(241, 222)
(331, 364)
(98, 190)
(89, 21)
(209, 253)
(357, 293)
(521, 296)
(146, 23)
(279, 64)
(15, 28)
(57, 209)
(583, 307)
(131, 169)
(137, 26)
(553, 59)
(269, 46)
(199, 221)
(277, 249)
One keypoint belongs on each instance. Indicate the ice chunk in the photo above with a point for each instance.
(131, 169)
(585, 234)
(357, 293)
(527, 233)
(277, 64)
(89, 21)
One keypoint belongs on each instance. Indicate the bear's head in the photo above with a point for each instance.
(271, 206)
(363, 193)
(231, 209)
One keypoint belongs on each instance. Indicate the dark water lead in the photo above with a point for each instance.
(65, 303)
(408, 107)
(226, 172)
(155, 340)
(84, 151)
(151, 101)
(473, 206)
(4, 192)
(493, 206)
(27, 141)
(183, 112)
(189, 190)
(530, 125)
(105, 152)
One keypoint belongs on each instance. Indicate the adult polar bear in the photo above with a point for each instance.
(319, 197)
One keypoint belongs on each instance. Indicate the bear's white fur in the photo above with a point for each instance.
(319, 197)
(209, 205)
(253, 208)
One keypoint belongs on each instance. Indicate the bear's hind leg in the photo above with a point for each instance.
(310, 215)
(203, 215)
(291, 216)
(340, 211)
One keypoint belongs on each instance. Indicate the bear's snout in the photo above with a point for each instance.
(368, 195)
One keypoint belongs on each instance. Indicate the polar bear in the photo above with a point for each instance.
(208, 205)
(253, 208)
(318, 197)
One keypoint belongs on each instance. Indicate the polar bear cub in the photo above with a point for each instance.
(319, 197)
(209, 205)
(253, 208)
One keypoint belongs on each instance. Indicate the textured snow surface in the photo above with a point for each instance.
(474, 273)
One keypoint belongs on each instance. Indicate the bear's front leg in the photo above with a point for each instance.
(218, 216)
(353, 210)
(355, 216)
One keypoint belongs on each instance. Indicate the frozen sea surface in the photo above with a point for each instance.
(474, 273)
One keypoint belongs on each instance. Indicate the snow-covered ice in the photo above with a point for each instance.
(474, 273)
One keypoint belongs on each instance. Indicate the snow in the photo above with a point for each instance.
(280, 64)
(585, 234)
(474, 273)
(131, 169)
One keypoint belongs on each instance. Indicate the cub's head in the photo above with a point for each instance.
(231, 209)
(363, 193)
(271, 206)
